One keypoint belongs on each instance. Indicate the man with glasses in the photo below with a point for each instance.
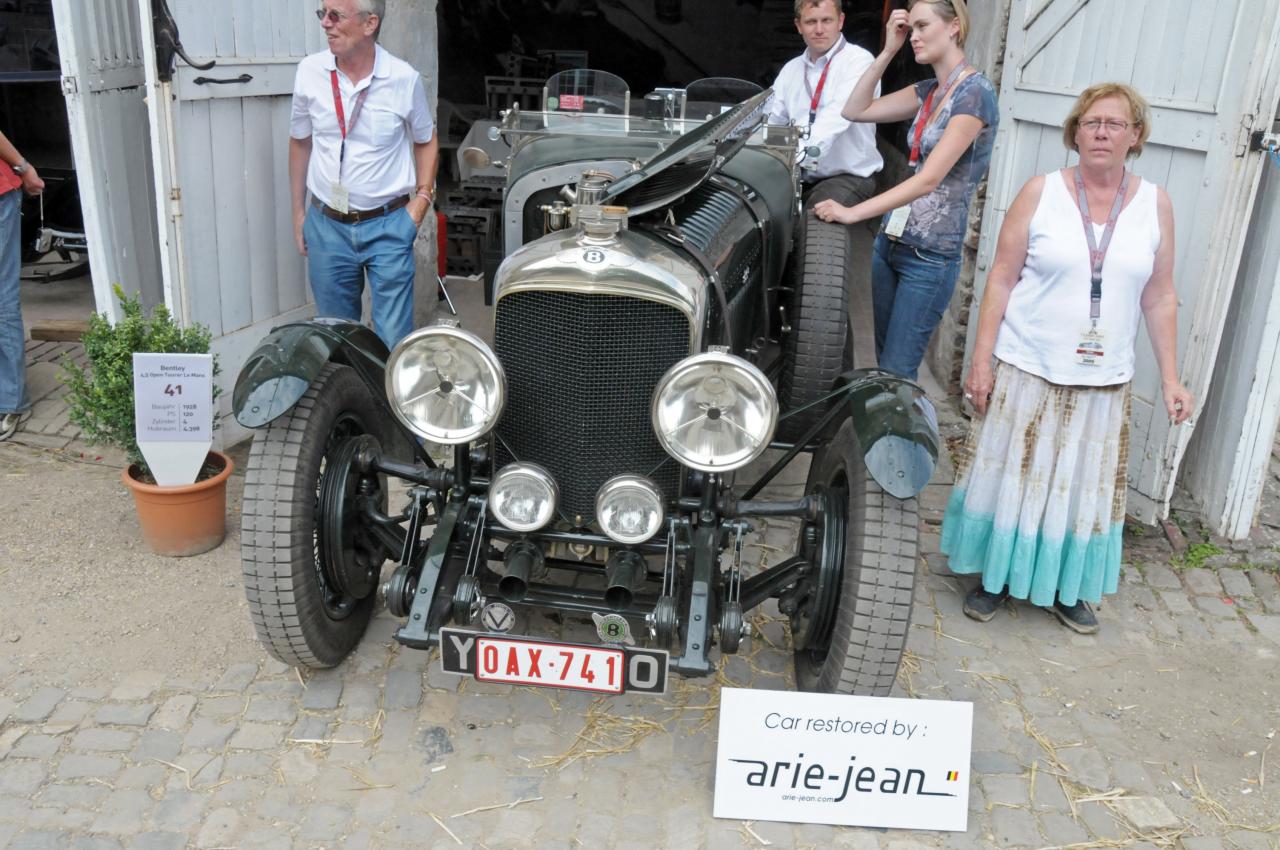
(362, 144)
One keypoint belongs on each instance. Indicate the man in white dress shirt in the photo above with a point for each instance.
(363, 145)
(810, 92)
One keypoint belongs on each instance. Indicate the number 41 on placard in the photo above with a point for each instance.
(173, 389)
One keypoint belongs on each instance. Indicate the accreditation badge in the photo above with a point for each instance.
(1089, 351)
(897, 223)
(339, 197)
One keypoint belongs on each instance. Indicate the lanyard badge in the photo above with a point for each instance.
(927, 112)
(815, 95)
(897, 223)
(340, 196)
(1090, 349)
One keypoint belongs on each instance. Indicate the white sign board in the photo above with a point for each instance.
(173, 412)
(852, 761)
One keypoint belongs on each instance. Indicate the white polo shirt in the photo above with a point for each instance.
(847, 148)
(378, 166)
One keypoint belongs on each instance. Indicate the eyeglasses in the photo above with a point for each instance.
(1112, 125)
(334, 16)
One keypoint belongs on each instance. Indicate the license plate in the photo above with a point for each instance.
(551, 664)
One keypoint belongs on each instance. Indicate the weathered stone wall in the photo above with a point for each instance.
(411, 34)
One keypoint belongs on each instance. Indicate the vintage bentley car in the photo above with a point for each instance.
(664, 315)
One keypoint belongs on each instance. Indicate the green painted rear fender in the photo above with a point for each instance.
(285, 363)
(897, 429)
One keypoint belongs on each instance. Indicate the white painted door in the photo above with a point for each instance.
(1207, 67)
(100, 45)
(1229, 459)
(222, 182)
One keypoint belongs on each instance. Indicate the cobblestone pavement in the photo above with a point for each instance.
(50, 425)
(1154, 733)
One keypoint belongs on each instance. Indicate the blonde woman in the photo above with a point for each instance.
(1084, 253)
(917, 254)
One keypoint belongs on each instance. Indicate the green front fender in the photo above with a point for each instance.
(897, 429)
(286, 362)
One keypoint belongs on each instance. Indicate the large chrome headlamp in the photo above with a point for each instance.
(714, 412)
(445, 384)
(629, 509)
(523, 496)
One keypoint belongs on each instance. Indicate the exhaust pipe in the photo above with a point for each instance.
(521, 560)
(625, 572)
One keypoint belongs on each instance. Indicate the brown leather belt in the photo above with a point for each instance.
(359, 215)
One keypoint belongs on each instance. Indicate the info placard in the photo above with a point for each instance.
(173, 412)
(852, 761)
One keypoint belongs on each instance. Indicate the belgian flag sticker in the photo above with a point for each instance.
(953, 775)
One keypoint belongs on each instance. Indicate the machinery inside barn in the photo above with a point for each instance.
(498, 53)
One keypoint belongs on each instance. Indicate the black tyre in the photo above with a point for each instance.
(851, 630)
(818, 348)
(301, 617)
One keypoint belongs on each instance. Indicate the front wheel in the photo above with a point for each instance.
(310, 567)
(850, 627)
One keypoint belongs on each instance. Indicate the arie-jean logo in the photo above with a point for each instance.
(815, 782)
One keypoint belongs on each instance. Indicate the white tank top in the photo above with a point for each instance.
(1048, 312)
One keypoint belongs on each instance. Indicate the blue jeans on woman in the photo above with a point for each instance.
(13, 356)
(339, 255)
(910, 287)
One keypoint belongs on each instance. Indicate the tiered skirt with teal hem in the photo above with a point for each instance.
(1038, 504)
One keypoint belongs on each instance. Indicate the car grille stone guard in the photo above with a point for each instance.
(581, 371)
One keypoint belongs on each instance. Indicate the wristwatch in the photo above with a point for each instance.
(21, 167)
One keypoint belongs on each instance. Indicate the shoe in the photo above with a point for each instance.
(981, 605)
(1079, 617)
(11, 422)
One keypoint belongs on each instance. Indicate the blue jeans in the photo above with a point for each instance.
(338, 257)
(910, 287)
(13, 355)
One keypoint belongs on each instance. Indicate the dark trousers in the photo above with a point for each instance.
(847, 189)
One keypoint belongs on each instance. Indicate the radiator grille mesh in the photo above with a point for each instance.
(581, 370)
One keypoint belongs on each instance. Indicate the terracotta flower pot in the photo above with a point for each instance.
(186, 519)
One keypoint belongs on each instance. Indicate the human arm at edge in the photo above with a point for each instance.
(299, 159)
(1159, 303)
(862, 105)
(1006, 270)
(31, 182)
(424, 163)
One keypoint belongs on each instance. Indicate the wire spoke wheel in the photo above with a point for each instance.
(813, 621)
(850, 629)
(348, 554)
(310, 566)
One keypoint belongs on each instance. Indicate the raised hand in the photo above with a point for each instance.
(896, 32)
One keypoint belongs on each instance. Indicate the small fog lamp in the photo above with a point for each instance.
(629, 509)
(523, 496)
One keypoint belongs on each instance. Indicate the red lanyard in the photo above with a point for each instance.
(342, 117)
(1098, 253)
(815, 95)
(926, 111)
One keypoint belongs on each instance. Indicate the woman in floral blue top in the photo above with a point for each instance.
(917, 253)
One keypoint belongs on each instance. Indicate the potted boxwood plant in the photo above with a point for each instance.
(175, 520)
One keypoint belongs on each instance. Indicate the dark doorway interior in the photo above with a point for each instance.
(33, 115)
(649, 43)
